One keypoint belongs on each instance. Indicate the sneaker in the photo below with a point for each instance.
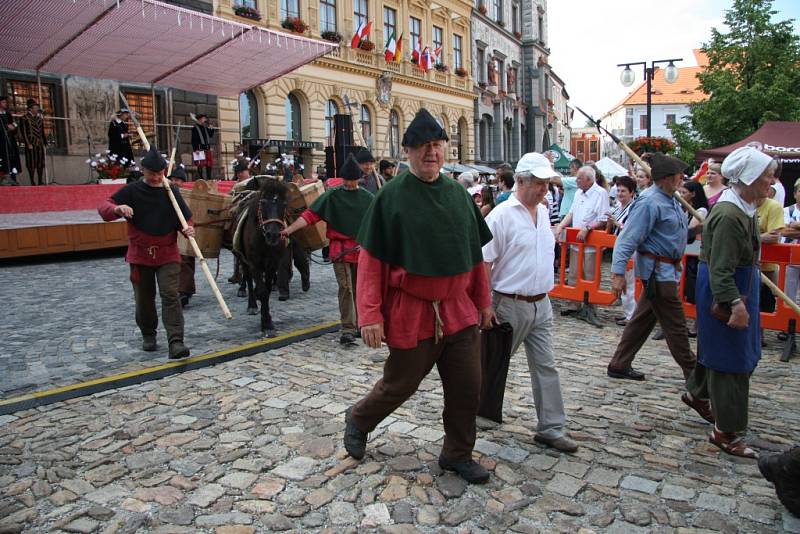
(469, 470)
(149, 343)
(561, 443)
(355, 441)
(347, 338)
(178, 350)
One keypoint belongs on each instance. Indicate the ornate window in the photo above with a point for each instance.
(290, 8)
(327, 15)
(415, 29)
(394, 133)
(248, 115)
(331, 109)
(438, 43)
(389, 23)
(293, 118)
(366, 125)
(360, 12)
(19, 92)
(457, 51)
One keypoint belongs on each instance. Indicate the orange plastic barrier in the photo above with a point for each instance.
(783, 318)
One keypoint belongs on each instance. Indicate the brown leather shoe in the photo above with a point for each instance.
(561, 443)
(701, 406)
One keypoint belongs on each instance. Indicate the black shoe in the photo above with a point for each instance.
(659, 335)
(568, 313)
(355, 441)
(627, 374)
(283, 298)
(149, 343)
(178, 350)
(306, 283)
(185, 299)
(469, 470)
(347, 338)
(358, 334)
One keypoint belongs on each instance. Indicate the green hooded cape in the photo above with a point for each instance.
(429, 229)
(343, 209)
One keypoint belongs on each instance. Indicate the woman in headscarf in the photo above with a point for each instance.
(729, 339)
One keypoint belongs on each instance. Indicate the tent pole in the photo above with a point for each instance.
(39, 88)
(155, 128)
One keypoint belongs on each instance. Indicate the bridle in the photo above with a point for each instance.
(262, 223)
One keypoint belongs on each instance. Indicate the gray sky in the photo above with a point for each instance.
(588, 38)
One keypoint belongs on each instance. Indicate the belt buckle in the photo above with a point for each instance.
(152, 250)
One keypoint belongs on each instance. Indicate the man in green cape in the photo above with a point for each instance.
(422, 287)
(342, 208)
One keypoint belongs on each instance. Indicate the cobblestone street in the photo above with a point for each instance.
(68, 321)
(254, 445)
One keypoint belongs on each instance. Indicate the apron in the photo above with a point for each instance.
(719, 346)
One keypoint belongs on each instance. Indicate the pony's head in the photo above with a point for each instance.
(272, 211)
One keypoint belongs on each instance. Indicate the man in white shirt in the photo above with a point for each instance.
(589, 211)
(519, 260)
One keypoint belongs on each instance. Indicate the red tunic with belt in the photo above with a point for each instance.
(403, 301)
(343, 248)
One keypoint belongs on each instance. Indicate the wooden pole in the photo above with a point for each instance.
(184, 225)
(44, 148)
(769, 283)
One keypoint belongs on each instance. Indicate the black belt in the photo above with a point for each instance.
(524, 298)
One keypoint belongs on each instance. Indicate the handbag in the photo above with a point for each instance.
(495, 359)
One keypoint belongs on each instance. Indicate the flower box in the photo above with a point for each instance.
(247, 12)
(441, 67)
(518, 35)
(334, 37)
(642, 145)
(501, 23)
(461, 71)
(482, 9)
(294, 24)
(366, 45)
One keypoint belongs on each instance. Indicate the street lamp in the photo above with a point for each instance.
(627, 77)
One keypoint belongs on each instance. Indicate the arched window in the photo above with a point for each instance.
(331, 109)
(293, 119)
(366, 125)
(394, 128)
(248, 115)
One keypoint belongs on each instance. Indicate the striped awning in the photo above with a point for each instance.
(145, 41)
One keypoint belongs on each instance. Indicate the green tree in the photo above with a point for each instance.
(753, 74)
(686, 140)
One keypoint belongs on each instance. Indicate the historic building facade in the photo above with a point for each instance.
(294, 113)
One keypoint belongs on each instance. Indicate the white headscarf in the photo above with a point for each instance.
(744, 165)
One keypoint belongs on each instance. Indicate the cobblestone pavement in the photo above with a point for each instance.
(70, 320)
(254, 445)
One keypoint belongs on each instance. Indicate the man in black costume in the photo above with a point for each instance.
(119, 143)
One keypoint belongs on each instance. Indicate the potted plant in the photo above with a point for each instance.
(366, 45)
(332, 36)
(247, 12)
(482, 9)
(518, 35)
(441, 67)
(109, 166)
(294, 24)
(461, 72)
(641, 145)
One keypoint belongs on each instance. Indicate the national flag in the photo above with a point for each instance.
(417, 52)
(398, 54)
(701, 172)
(437, 54)
(391, 48)
(426, 60)
(362, 33)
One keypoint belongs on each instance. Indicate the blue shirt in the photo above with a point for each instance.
(570, 185)
(501, 197)
(656, 224)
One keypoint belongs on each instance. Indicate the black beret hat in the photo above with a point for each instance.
(386, 164)
(423, 129)
(662, 165)
(350, 170)
(179, 172)
(240, 165)
(153, 160)
(364, 156)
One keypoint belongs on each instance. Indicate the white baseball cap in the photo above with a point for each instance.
(536, 164)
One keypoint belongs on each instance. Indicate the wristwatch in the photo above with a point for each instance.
(736, 301)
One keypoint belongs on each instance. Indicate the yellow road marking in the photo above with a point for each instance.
(168, 365)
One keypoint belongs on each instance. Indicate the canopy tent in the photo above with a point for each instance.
(482, 169)
(457, 167)
(146, 41)
(779, 139)
(564, 157)
(610, 168)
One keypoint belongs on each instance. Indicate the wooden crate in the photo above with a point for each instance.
(209, 211)
(313, 237)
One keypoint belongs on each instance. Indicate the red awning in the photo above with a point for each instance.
(146, 41)
(778, 138)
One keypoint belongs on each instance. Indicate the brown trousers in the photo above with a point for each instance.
(458, 359)
(346, 276)
(186, 281)
(144, 293)
(665, 307)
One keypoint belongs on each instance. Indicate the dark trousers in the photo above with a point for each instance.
(186, 281)
(293, 253)
(458, 359)
(144, 281)
(729, 394)
(665, 307)
(34, 162)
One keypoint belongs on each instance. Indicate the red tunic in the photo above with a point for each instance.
(343, 247)
(144, 249)
(403, 302)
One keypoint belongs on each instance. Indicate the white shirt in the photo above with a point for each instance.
(522, 253)
(589, 206)
(780, 192)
